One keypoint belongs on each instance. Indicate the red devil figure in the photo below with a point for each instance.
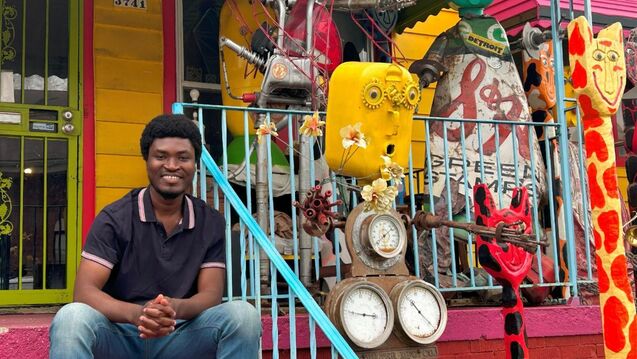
(506, 262)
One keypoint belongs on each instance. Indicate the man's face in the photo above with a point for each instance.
(170, 166)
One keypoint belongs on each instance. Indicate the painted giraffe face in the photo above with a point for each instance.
(598, 65)
(631, 56)
(539, 75)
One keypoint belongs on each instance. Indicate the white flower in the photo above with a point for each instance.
(391, 170)
(352, 135)
(265, 129)
(312, 125)
(378, 197)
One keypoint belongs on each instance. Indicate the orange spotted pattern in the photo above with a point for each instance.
(598, 80)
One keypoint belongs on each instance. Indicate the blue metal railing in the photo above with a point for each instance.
(279, 265)
(537, 202)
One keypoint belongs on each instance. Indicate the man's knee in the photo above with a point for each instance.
(72, 317)
(245, 316)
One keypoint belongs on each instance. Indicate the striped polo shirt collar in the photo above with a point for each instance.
(147, 214)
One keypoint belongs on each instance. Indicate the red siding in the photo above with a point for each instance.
(611, 10)
(505, 9)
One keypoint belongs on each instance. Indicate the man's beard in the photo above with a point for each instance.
(166, 195)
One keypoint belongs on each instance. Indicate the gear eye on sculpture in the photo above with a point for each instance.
(373, 95)
(412, 96)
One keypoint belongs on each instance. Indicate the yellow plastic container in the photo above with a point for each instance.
(379, 100)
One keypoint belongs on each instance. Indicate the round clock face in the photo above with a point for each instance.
(385, 235)
(422, 312)
(367, 315)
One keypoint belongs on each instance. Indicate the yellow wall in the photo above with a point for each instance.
(413, 44)
(128, 54)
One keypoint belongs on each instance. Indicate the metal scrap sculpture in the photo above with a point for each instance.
(476, 79)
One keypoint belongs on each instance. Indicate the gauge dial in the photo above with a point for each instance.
(421, 311)
(366, 314)
(386, 235)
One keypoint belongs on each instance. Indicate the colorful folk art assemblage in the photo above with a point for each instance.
(507, 263)
(538, 74)
(631, 56)
(598, 79)
(243, 77)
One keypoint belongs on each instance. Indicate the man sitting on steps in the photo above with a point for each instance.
(151, 278)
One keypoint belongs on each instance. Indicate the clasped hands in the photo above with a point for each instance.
(157, 318)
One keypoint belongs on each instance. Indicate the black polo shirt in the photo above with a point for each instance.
(144, 261)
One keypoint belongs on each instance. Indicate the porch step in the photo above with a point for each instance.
(26, 335)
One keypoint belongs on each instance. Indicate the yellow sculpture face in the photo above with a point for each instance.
(369, 114)
(599, 65)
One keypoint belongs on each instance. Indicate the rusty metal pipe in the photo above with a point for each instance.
(502, 233)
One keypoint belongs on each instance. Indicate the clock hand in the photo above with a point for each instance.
(363, 314)
(384, 238)
(419, 312)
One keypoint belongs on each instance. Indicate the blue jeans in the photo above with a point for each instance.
(228, 330)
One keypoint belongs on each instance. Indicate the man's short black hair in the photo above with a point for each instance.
(164, 126)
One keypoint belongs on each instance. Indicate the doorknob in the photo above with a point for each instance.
(68, 128)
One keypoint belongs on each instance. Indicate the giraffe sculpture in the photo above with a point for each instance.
(598, 78)
(507, 263)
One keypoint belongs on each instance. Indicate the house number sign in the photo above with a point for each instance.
(135, 4)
